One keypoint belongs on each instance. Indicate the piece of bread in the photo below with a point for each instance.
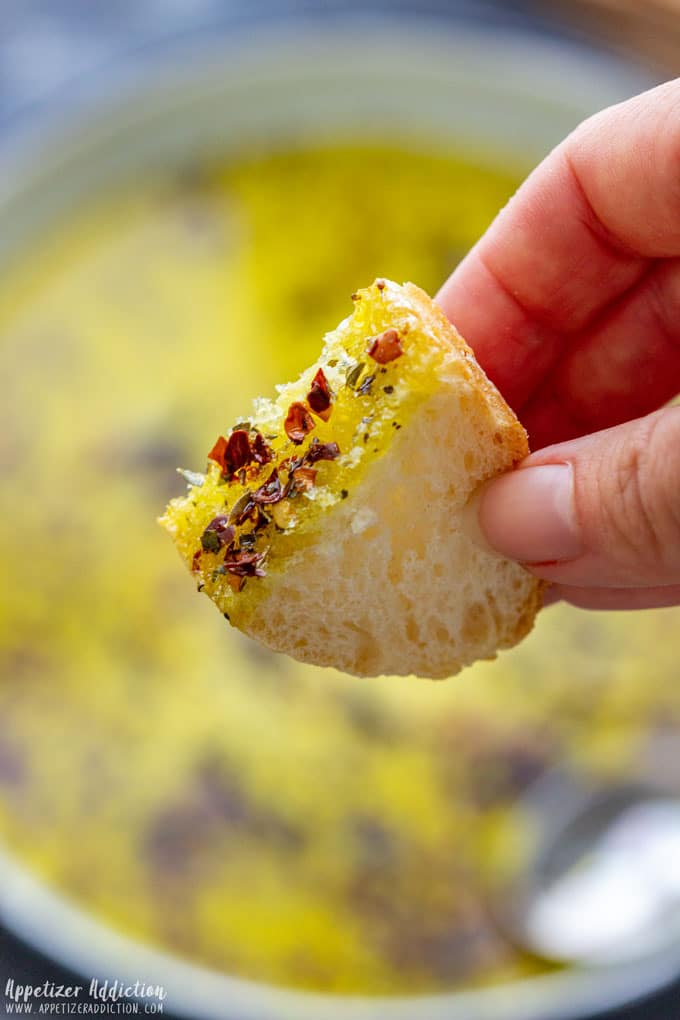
(329, 525)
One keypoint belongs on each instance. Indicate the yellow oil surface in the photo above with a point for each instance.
(273, 821)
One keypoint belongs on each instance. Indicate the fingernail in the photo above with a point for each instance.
(528, 515)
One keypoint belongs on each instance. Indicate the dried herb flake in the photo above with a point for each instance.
(354, 374)
(217, 534)
(366, 385)
(241, 508)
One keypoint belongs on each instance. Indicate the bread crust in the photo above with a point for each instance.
(518, 441)
(437, 323)
(369, 654)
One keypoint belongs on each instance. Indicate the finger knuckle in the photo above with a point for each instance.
(644, 509)
(664, 460)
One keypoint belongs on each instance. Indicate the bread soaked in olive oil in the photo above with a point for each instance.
(329, 524)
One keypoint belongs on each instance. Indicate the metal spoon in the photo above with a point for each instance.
(603, 883)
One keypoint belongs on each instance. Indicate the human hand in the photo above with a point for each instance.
(571, 302)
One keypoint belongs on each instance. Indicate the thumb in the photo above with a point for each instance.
(595, 512)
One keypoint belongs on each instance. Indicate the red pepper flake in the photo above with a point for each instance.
(298, 423)
(319, 396)
(239, 452)
(291, 464)
(245, 564)
(271, 491)
(219, 452)
(304, 478)
(262, 453)
(321, 451)
(196, 561)
(380, 284)
(234, 454)
(385, 347)
(217, 534)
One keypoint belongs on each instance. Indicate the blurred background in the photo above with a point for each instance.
(189, 192)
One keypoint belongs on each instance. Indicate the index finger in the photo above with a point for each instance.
(578, 234)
